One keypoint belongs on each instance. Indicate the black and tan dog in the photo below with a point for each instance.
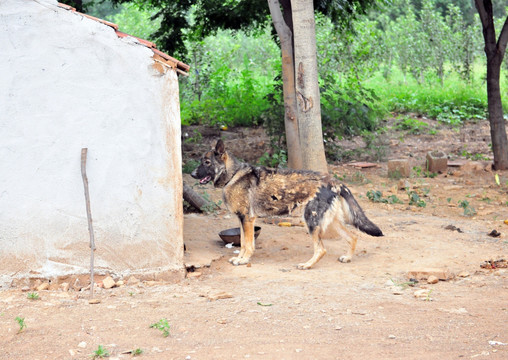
(252, 191)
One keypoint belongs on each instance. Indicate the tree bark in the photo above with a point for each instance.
(288, 83)
(307, 87)
(494, 50)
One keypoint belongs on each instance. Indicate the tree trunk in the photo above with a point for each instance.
(288, 83)
(494, 51)
(307, 87)
(496, 118)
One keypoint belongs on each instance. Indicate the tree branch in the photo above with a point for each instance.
(482, 12)
(503, 37)
(283, 31)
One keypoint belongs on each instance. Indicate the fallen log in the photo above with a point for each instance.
(194, 198)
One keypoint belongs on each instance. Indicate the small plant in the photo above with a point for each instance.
(404, 285)
(277, 159)
(136, 352)
(474, 156)
(377, 196)
(395, 175)
(162, 325)
(359, 178)
(413, 126)
(428, 298)
(189, 166)
(21, 323)
(393, 199)
(211, 206)
(197, 137)
(100, 353)
(468, 209)
(419, 172)
(33, 296)
(414, 199)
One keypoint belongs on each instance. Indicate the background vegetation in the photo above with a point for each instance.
(407, 56)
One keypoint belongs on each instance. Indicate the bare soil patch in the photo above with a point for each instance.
(270, 310)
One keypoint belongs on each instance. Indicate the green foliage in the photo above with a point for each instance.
(357, 178)
(452, 103)
(189, 166)
(195, 138)
(210, 207)
(232, 75)
(137, 352)
(419, 172)
(377, 197)
(277, 159)
(412, 126)
(346, 60)
(468, 209)
(21, 323)
(184, 19)
(33, 295)
(414, 199)
(100, 353)
(137, 21)
(423, 57)
(474, 156)
(163, 326)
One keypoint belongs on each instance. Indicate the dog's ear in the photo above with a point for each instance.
(220, 148)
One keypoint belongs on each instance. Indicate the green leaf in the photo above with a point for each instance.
(261, 304)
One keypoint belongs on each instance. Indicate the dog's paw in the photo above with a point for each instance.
(239, 260)
(345, 259)
(303, 266)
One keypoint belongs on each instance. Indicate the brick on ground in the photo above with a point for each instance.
(425, 273)
(437, 162)
(399, 168)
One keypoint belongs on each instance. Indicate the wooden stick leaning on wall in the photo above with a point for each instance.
(89, 216)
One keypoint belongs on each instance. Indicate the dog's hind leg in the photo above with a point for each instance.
(350, 238)
(319, 250)
(247, 241)
(318, 214)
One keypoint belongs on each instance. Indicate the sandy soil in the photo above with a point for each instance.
(366, 309)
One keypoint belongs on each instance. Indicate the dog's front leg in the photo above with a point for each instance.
(247, 241)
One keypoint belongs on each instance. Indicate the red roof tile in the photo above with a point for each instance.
(179, 66)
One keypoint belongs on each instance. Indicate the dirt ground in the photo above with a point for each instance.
(366, 309)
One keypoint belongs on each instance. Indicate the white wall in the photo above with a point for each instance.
(68, 82)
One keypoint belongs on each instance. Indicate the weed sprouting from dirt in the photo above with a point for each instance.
(33, 296)
(414, 199)
(377, 197)
(100, 353)
(137, 352)
(163, 326)
(211, 207)
(21, 323)
(468, 209)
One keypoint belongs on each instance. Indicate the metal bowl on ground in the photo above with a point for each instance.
(233, 235)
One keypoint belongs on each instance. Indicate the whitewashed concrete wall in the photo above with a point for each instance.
(68, 82)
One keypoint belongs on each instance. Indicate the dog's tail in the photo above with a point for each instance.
(358, 217)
